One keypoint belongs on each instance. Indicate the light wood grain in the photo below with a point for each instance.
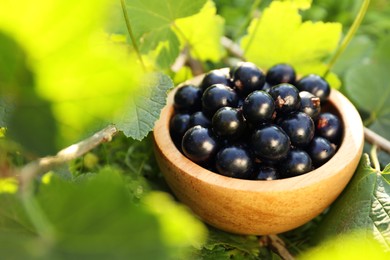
(260, 207)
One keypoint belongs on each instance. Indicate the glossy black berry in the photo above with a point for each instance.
(228, 123)
(281, 73)
(270, 142)
(266, 172)
(199, 144)
(310, 104)
(188, 98)
(286, 97)
(299, 127)
(218, 96)
(235, 161)
(215, 77)
(329, 126)
(247, 77)
(297, 162)
(316, 85)
(320, 150)
(178, 125)
(199, 118)
(258, 107)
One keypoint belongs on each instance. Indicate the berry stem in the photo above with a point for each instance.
(132, 37)
(347, 39)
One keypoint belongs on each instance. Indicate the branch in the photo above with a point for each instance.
(42, 165)
(277, 245)
(375, 139)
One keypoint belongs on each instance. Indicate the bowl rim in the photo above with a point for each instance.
(351, 145)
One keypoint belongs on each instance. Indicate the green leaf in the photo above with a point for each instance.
(363, 206)
(359, 49)
(222, 245)
(280, 36)
(82, 79)
(91, 218)
(368, 87)
(152, 22)
(202, 32)
(143, 107)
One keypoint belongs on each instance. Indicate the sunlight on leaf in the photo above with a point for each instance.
(353, 246)
(301, 4)
(280, 36)
(202, 32)
(180, 228)
(8, 185)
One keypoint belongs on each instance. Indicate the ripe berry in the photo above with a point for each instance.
(199, 144)
(286, 97)
(228, 123)
(316, 85)
(281, 73)
(218, 96)
(258, 107)
(188, 98)
(299, 127)
(310, 104)
(270, 142)
(247, 77)
(329, 126)
(214, 77)
(297, 162)
(266, 172)
(199, 118)
(235, 161)
(178, 125)
(320, 150)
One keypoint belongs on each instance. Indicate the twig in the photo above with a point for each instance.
(42, 165)
(232, 47)
(375, 139)
(277, 245)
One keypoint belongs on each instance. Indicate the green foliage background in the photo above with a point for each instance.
(69, 68)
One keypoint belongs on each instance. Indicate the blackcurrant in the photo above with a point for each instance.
(320, 150)
(258, 107)
(247, 77)
(329, 126)
(270, 142)
(235, 161)
(297, 162)
(299, 127)
(228, 123)
(316, 85)
(218, 96)
(286, 97)
(310, 104)
(266, 172)
(178, 125)
(215, 77)
(188, 98)
(199, 118)
(199, 144)
(281, 73)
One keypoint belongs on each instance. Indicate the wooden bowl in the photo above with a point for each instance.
(260, 207)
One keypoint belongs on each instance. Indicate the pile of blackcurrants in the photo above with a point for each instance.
(246, 124)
